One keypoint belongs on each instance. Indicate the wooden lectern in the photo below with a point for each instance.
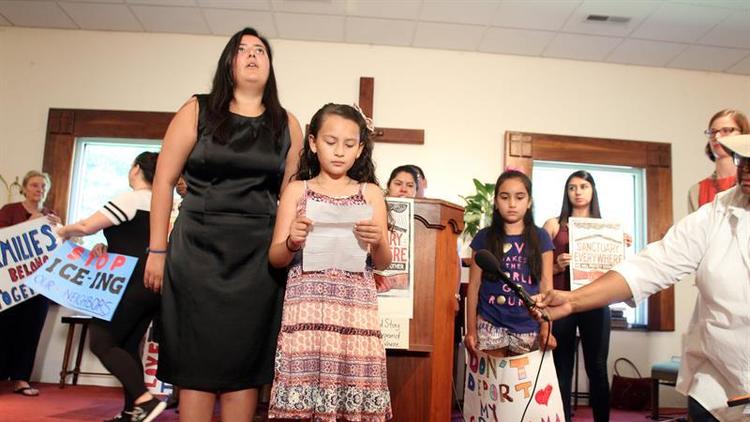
(420, 378)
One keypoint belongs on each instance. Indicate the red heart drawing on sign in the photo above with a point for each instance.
(542, 396)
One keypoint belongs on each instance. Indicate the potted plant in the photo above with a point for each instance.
(478, 208)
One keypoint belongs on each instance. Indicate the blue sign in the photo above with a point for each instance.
(78, 280)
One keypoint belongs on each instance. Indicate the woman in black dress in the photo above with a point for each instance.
(117, 343)
(221, 303)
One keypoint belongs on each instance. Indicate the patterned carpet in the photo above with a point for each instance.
(89, 404)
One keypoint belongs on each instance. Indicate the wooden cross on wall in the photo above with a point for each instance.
(384, 134)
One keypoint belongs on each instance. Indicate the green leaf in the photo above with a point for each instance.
(477, 185)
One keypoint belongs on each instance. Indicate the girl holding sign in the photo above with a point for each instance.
(22, 324)
(125, 221)
(580, 200)
(497, 322)
(330, 362)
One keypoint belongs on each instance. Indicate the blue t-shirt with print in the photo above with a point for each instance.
(498, 304)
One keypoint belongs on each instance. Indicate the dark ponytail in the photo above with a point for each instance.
(146, 161)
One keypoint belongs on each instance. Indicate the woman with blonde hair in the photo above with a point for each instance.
(22, 324)
(724, 123)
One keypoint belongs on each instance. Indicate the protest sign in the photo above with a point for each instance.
(150, 364)
(78, 280)
(499, 389)
(596, 245)
(395, 284)
(24, 248)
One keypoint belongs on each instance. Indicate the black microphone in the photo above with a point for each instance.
(490, 265)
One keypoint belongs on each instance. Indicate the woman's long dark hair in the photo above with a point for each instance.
(363, 169)
(222, 93)
(496, 234)
(567, 207)
(146, 161)
(407, 168)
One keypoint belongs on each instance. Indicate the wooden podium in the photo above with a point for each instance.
(420, 378)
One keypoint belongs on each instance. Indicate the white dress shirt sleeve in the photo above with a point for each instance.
(664, 262)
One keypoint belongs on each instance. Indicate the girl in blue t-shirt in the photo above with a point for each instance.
(497, 322)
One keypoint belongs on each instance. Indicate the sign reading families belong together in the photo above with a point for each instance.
(24, 248)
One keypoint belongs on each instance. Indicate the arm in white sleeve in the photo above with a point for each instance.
(663, 263)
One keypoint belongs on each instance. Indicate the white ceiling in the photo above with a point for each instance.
(705, 35)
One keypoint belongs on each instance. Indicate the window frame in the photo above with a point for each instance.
(65, 125)
(522, 148)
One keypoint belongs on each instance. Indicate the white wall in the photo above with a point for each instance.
(464, 101)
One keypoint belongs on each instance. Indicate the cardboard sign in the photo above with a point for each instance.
(76, 279)
(24, 248)
(498, 389)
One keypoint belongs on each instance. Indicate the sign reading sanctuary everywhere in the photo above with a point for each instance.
(501, 388)
(24, 248)
(78, 280)
(596, 245)
(395, 284)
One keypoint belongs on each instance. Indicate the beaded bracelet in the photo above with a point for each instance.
(288, 247)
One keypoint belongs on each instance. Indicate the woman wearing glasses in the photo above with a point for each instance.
(724, 123)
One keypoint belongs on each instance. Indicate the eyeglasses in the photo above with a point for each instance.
(711, 133)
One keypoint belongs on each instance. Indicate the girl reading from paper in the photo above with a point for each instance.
(330, 362)
(497, 322)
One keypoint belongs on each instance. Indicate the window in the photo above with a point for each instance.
(523, 149)
(621, 192)
(100, 172)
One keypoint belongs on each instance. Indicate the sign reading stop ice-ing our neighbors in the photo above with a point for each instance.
(78, 280)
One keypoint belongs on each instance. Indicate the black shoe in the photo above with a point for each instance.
(147, 411)
(121, 417)
(173, 401)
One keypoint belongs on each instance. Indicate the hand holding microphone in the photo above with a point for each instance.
(491, 267)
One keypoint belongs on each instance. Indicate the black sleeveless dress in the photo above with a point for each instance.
(221, 300)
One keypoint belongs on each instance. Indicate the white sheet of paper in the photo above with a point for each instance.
(331, 242)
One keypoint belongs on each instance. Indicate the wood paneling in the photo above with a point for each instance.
(64, 126)
(383, 134)
(366, 94)
(522, 148)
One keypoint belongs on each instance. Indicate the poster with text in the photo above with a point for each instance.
(150, 358)
(24, 248)
(596, 245)
(78, 280)
(499, 389)
(395, 284)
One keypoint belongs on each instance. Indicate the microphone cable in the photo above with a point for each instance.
(538, 372)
